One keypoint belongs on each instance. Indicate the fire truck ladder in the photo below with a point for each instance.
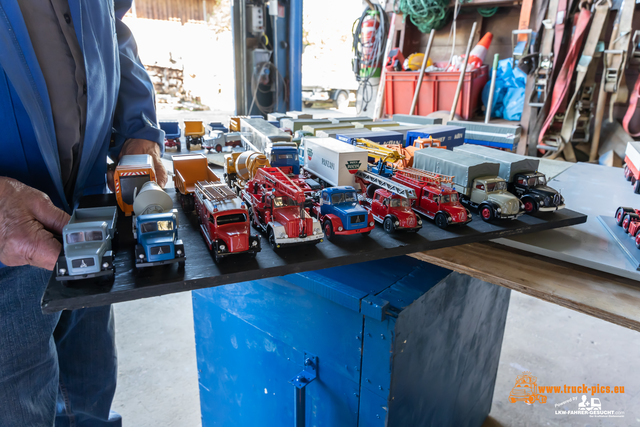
(425, 177)
(387, 184)
(215, 192)
(282, 183)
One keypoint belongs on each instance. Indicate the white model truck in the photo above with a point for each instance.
(332, 161)
(522, 176)
(87, 240)
(475, 179)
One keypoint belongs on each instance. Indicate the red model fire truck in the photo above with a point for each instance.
(389, 202)
(224, 221)
(276, 206)
(434, 198)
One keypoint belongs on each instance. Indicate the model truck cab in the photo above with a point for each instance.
(523, 179)
(224, 221)
(285, 157)
(87, 241)
(340, 212)
(394, 212)
(157, 236)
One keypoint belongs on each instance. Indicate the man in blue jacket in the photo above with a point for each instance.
(72, 91)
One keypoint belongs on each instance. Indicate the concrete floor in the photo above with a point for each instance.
(158, 384)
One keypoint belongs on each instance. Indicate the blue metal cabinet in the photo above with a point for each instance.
(399, 342)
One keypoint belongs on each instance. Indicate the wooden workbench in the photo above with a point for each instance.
(608, 297)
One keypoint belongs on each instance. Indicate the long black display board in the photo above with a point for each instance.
(201, 271)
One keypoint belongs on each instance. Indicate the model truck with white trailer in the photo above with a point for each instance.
(333, 162)
(632, 165)
(87, 241)
(475, 179)
(522, 176)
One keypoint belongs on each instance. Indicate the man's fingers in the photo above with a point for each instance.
(43, 251)
(161, 172)
(52, 218)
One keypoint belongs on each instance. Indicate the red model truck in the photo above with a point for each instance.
(276, 206)
(388, 202)
(434, 198)
(224, 221)
(632, 165)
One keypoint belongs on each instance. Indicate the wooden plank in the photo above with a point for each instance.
(602, 295)
(201, 271)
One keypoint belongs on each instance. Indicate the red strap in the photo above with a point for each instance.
(562, 83)
(559, 29)
(633, 101)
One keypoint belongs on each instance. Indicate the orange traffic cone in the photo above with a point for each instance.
(478, 53)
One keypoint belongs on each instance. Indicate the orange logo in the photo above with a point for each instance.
(526, 389)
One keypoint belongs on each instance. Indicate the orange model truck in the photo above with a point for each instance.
(132, 172)
(188, 169)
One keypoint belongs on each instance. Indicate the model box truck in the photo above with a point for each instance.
(523, 179)
(475, 179)
(333, 162)
(632, 165)
(87, 241)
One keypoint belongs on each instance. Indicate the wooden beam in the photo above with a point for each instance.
(602, 295)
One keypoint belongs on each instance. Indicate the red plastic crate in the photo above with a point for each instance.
(436, 92)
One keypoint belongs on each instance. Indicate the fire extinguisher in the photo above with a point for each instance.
(370, 26)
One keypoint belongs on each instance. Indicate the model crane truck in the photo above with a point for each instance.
(385, 158)
(522, 176)
(188, 169)
(276, 207)
(224, 221)
(435, 198)
(475, 179)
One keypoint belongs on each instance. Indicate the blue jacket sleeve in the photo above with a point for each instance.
(135, 115)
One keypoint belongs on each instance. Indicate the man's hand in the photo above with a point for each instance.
(143, 146)
(27, 221)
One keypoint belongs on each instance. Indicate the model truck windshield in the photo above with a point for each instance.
(148, 227)
(399, 203)
(496, 186)
(231, 219)
(280, 202)
(338, 198)
(449, 198)
(84, 236)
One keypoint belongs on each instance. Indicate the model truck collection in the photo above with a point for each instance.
(336, 192)
(475, 179)
(522, 176)
(188, 169)
(632, 165)
(435, 198)
(224, 221)
(87, 241)
(276, 207)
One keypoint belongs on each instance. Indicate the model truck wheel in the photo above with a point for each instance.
(530, 205)
(638, 240)
(627, 173)
(620, 213)
(486, 213)
(328, 229)
(636, 187)
(626, 222)
(441, 221)
(388, 225)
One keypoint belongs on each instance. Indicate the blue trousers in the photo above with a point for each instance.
(55, 369)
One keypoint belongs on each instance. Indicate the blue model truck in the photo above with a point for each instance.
(157, 237)
(284, 156)
(449, 136)
(340, 213)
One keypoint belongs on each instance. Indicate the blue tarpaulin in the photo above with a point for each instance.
(508, 99)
